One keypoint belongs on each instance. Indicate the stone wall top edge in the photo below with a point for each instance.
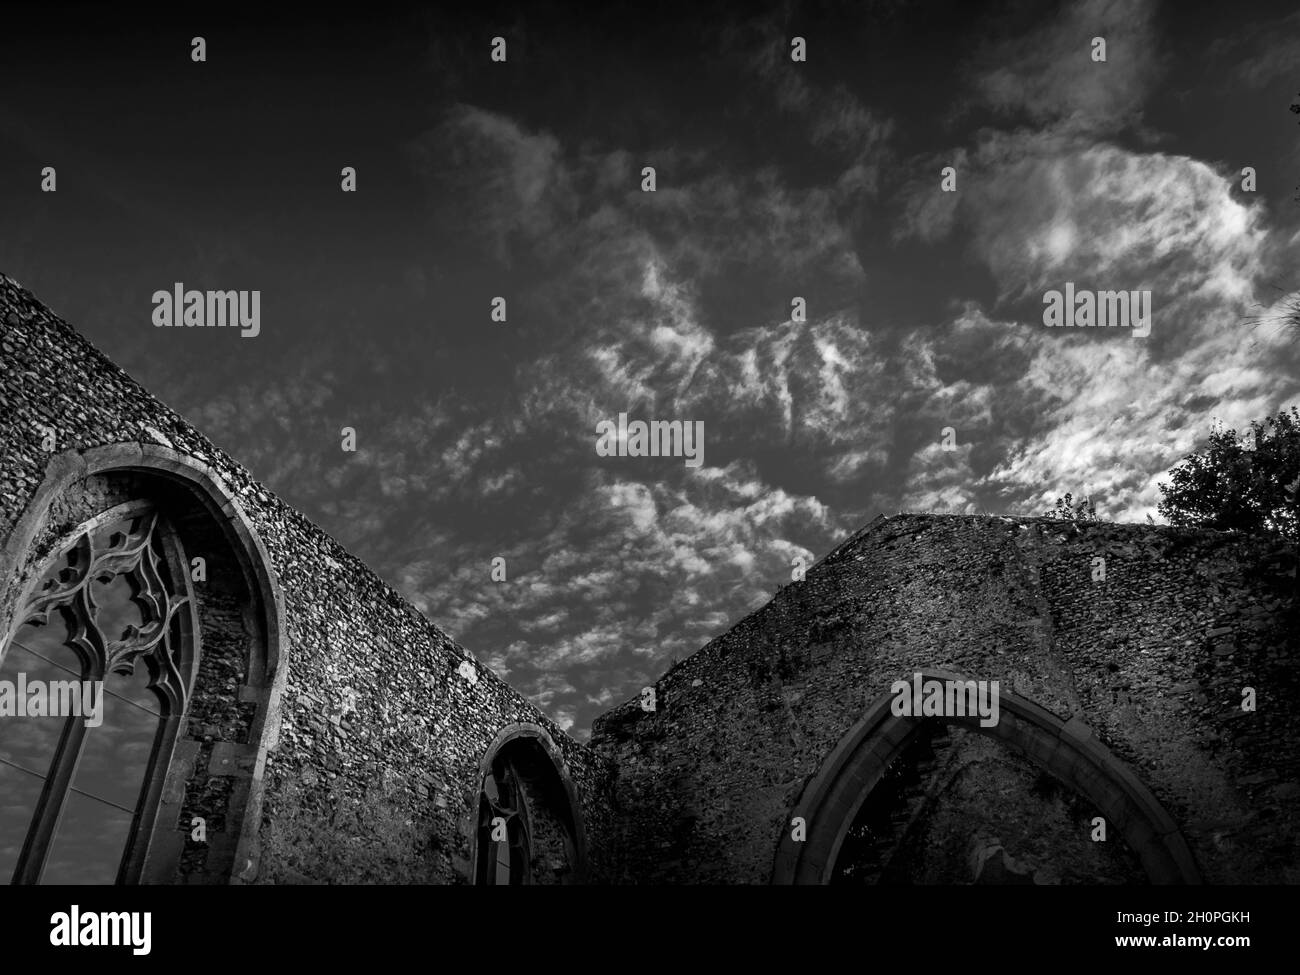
(262, 505)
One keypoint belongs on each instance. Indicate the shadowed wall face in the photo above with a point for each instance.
(1151, 656)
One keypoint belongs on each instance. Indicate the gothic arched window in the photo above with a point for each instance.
(528, 827)
(94, 681)
(503, 856)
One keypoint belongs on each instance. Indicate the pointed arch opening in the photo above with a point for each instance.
(856, 767)
(528, 828)
(135, 571)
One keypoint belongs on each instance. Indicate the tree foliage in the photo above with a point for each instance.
(1067, 509)
(1295, 107)
(1248, 483)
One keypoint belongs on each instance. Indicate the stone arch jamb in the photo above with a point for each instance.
(831, 800)
(266, 677)
(526, 729)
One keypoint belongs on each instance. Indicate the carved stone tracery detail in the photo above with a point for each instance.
(129, 541)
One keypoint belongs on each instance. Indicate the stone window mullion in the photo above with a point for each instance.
(86, 640)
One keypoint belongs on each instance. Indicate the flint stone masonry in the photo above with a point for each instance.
(359, 757)
(1149, 663)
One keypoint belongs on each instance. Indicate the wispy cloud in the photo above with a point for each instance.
(776, 180)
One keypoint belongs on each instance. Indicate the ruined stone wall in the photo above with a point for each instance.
(1159, 655)
(374, 774)
(1152, 659)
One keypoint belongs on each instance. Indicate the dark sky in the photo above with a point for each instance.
(775, 179)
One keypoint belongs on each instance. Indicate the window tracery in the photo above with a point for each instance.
(113, 612)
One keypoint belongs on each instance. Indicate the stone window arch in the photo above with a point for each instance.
(528, 828)
(830, 801)
(206, 689)
(503, 828)
(107, 639)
